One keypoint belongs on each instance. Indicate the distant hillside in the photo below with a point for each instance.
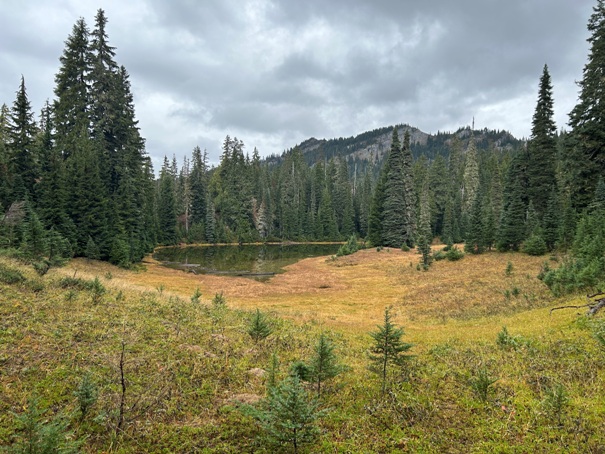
(372, 145)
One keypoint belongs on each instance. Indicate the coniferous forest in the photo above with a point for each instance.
(76, 183)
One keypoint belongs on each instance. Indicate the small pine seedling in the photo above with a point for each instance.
(87, 394)
(259, 327)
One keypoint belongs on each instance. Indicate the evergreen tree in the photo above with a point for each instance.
(393, 224)
(324, 364)
(71, 107)
(22, 133)
(475, 231)
(598, 202)
(409, 208)
(587, 119)
(425, 235)
(5, 173)
(388, 347)
(327, 218)
(51, 190)
(512, 224)
(198, 186)
(87, 205)
(376, 215)
(35, 241)
(471, 177)
(365, 202)
(166, 206)
(288, 416)
(210, 225)
(259, 327)
(438, 184)
(103, 92)
(542, 148)
(551, 221)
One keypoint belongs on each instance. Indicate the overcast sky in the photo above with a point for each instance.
(274, 73)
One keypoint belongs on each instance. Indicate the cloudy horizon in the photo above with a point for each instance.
(275, 73)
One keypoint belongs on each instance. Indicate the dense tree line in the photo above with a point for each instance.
(78, 180)
(80, 175)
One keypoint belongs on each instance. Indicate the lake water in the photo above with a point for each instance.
(255, 261)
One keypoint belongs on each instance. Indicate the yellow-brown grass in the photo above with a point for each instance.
(465, 299)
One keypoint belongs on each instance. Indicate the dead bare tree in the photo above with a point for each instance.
(595, 304)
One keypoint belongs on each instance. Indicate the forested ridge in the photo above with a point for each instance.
(78, 181)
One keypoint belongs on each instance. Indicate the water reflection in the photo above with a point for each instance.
(255, 261)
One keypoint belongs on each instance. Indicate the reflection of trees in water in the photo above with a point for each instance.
(244, 258)
(259, 263)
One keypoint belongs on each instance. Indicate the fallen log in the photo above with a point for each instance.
(593, 306)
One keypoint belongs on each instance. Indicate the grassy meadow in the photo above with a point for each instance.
(171, 372)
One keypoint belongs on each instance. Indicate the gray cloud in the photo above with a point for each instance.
(274, 73)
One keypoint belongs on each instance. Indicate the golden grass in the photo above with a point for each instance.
(469, 299)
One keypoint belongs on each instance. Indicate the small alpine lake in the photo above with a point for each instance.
(257, 261)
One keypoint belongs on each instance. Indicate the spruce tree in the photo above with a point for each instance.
(512, 224)
(5, 173)
(474, 242)
(71, 107)
(393, 224)
(409, 208)
(167, 233)
(388, 348)
(471, 177)
(324, 364)
(551, 221)
(425, 235)
(288, 417)
(376, 214)
(542, 148)
(587, 119)
(22, 148)
(259, 327)
(198, 186)
(438, 184)
(327, 218)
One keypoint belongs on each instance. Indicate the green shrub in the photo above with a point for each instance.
(39, 434)
(535, 245)
(555, 402)
(10, 276)
(350, 247)
(288, 417)
(86, 394)
(482, 383)
(454, 254)
(259, 327)
(439, 255)
(195, 298)
(585, 268)
(41, 266)
(509, 269)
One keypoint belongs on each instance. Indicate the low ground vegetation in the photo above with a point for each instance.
(93, 365)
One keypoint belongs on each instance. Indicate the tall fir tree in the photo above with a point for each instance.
(198, 186)
(542, 148)
(393, 224)
(5, 173)
(585, 159)
(409, 208)
(167, 233)
(512, 224)
(24, 162)
(71, 108)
